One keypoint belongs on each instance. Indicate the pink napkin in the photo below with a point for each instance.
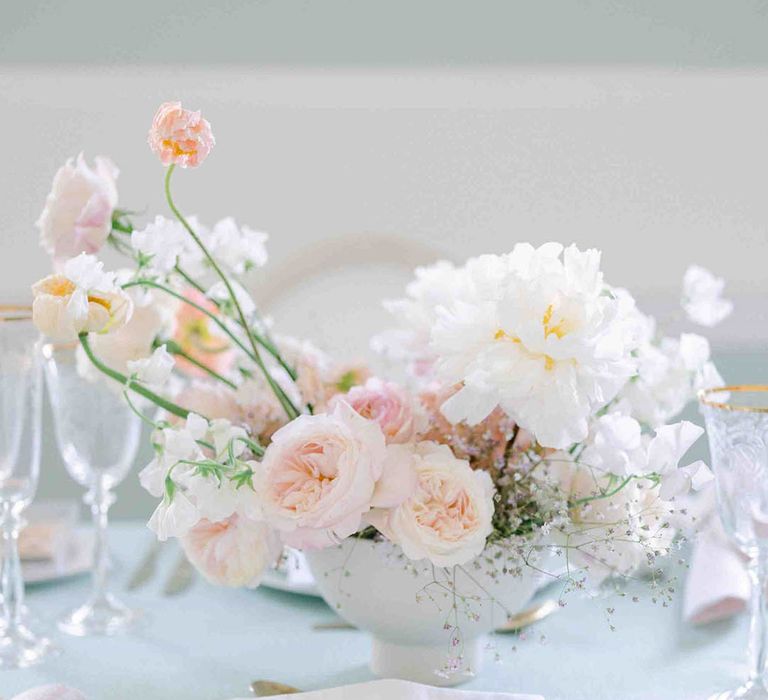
(50, 692)
(718, 585)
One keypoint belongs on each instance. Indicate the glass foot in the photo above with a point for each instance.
(748, 691)
(105, 617)
(20, 647)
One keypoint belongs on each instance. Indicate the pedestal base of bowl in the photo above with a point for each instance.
(420, 663)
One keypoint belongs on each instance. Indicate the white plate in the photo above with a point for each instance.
(76, 559)
(291, 575)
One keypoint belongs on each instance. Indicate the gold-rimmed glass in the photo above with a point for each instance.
(737, 427)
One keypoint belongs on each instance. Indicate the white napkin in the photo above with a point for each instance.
(400, 690)
(717, 585)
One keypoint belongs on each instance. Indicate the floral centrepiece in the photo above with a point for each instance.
(536, 414)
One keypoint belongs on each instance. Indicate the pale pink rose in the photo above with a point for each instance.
(449, 515)
(77, 217)
(234, 552)
(319, 476)
(399, 415)
(180, 136)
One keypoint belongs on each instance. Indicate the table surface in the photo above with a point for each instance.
(208, 643)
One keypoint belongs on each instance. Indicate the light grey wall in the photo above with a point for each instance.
(367, 137)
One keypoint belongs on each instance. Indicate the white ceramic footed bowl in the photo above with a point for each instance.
(406, 607)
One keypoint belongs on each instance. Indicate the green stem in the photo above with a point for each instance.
(265, 342)
(175, 349)
(138, 388)
(604, 494)
(189, 302)
(282, 397)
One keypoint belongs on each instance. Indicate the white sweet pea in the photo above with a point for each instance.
(166, 242)
(174, 517)
(666, 450)
(223, 433)
(238, 248)
(615, 445)
(219, 293)
(668, 376)
(702, 297)
(174, 445)
(215, 500)
(153, 370)
(679, 482)
(81, 298)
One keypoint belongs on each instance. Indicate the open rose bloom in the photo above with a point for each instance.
(535, 408)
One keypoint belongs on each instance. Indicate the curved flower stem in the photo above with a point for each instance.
(197, 307)
(175, 349)
(138, 388)
(264, 340)
(282, 397)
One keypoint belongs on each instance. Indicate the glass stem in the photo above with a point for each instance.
(758, 630)
(11, 580)
(100, 499)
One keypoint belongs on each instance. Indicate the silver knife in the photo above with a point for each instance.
(146, 568)
(181, 578)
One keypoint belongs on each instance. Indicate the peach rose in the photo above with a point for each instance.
(399, 415)
(180, 136)
(449, 517)
(320, 475)
(234, 552)
(77, 217)
(200, 338)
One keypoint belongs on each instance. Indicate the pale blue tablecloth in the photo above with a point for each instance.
(209, 643)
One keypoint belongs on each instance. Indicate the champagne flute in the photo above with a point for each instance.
(98, 437)
(737, 426)
(20, 405)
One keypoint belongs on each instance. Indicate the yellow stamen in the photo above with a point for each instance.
(559, 329)
(101, 302)
(177, 150)
(60, 287)
(501, 334)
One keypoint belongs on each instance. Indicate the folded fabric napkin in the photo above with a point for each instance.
(717, 585)
(400, 690)
(49, 529)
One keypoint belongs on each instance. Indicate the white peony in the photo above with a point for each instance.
(77, 217)
(538, 336)
(448, 518)
(238, 248)
(702, 297)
